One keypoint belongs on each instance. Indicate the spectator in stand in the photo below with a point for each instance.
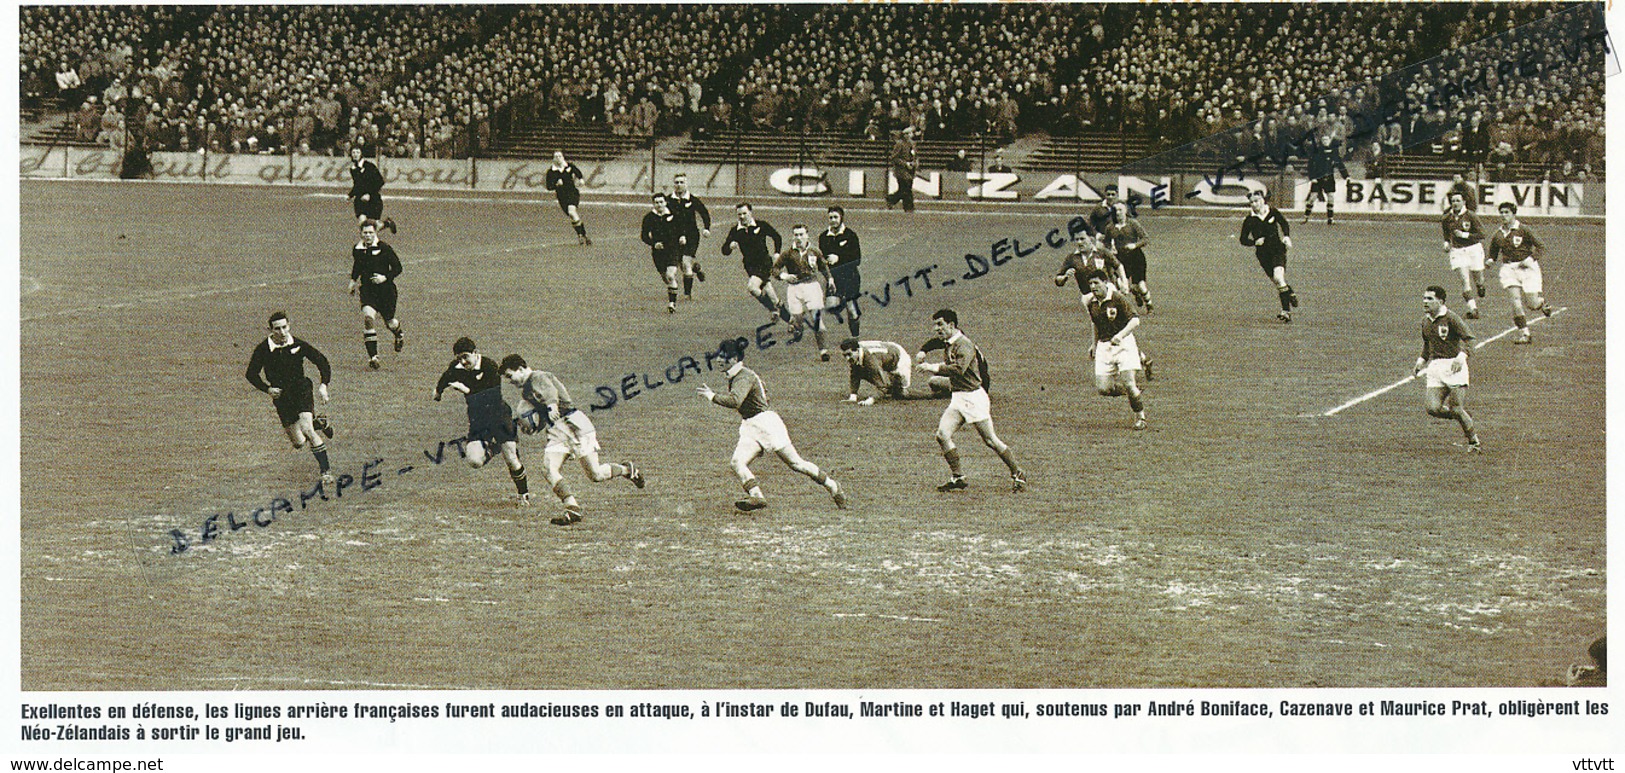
(644, 117)
(67, 82)
(1499, 163)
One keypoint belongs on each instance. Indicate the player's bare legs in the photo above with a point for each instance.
(764, 294)
(302, 433)
(1447, 403)
(575, 222)
(991, 438)
(670, 277)
(793, 460)
(745, 453)
(1521, 302)
(949, 424)
(1120, 384)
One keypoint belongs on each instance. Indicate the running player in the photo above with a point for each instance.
(1114, 350)
(664, 235)
(1519, 253)
(1325, 159)
(490, 419)
(366, 190)
(1444, 363)
(752, 236)
(281, 357)
(842, 253)
(1463, 243)
(561, 179)
(545, 405)
(760, 428)
(695, 221)
(373, 268)
(1128, 241)
(963, 365)
(1089, 255)
(1267, 231)
(806, 279)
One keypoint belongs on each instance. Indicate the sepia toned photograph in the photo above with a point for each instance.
(854, 347)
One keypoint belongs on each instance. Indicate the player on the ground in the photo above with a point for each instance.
(1464, 243)
(752, 236)
(1444, 363)
(545, 405)
(760, 428)
(490, 418)
(1090, 254)
(373, 268)
(842, 253)
(561, 179)
(664, 235)
(1114, 351)
(695, 221)
(1129, 240)
(963, 365)
(887, 366)
(1515, 247)
(281, 358)
(806, 279)
(1267, 231)
(366, 190)
(1325, 159)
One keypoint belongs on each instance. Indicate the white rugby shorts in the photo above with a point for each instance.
(803, 297)
(764, 431)
(1524, 274)
(1470, 257)
(1111, 359)
(574, 434)
(1438, 373)
(972, 407)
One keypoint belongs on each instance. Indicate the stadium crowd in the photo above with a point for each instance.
(447, 81)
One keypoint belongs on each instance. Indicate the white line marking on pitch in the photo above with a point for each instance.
(890, 617)
(1408, 379)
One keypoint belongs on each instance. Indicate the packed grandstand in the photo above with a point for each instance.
(472, 81)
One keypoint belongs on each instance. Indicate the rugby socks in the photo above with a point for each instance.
(753, 489)
(1521, 321)
(1285, 292)
(581, 228)
(671, 295)
(371, 339)
(320, 452)
(519, 481)
(1136, 404)
(951, 456)
(1472, 302)
(688, 285)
